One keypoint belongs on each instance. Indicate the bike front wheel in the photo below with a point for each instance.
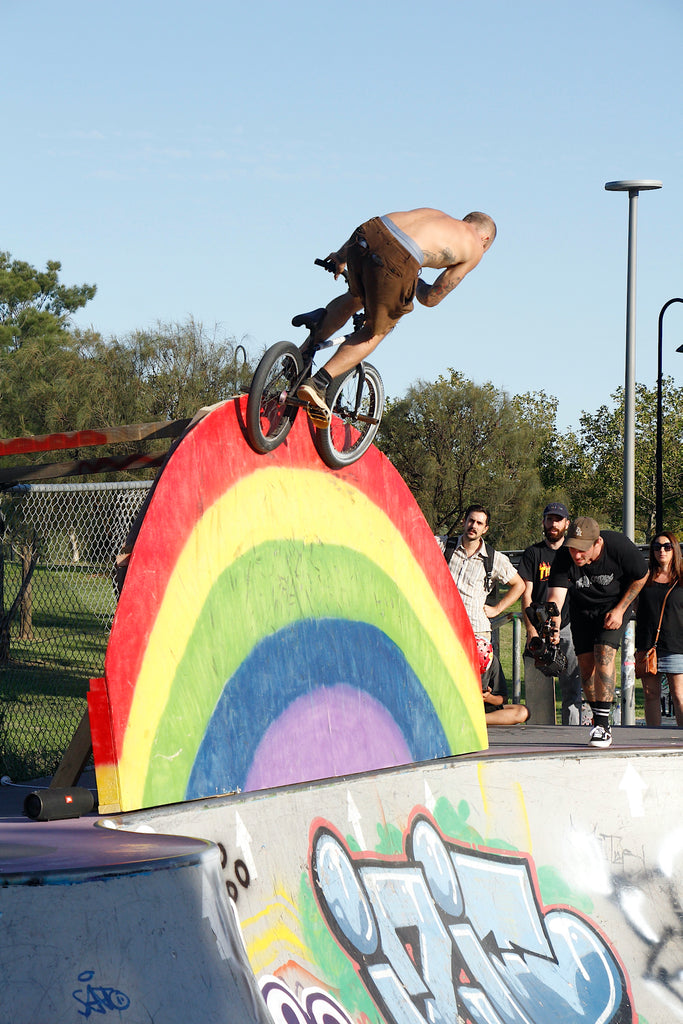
(357, 404)
(270, 413)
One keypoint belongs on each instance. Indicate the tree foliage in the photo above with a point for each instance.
(456, 442)
(34, 305)
(87, 381)
(589, 464)
(182, 367)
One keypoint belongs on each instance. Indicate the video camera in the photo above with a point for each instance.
(547, 656)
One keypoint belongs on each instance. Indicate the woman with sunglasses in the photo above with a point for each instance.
(666, 571)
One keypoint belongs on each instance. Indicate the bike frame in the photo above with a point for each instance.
(335, 342)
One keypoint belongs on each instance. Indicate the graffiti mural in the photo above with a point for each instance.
(445, 931)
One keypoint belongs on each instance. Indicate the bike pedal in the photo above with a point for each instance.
(321, 422)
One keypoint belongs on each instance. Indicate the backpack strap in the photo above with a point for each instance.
(488, 568)
(451, 545)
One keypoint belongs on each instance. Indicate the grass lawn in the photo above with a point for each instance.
(45, 679)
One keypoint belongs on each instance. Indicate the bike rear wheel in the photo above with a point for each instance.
(270, 413)
(355, 418)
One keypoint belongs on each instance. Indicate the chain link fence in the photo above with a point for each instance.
(57, 603)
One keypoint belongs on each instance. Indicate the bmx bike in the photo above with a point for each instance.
(355, 398)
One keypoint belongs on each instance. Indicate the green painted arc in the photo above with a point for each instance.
(269, 587)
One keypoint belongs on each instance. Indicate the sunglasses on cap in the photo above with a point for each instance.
(666, 546)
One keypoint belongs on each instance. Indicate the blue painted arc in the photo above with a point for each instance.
(293, 663)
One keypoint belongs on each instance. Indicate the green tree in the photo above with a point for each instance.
(593, 461)
(182, 367)
(40, 390)
(87, 381)
(34, 304)
(456, 442)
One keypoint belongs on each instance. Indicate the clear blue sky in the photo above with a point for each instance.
(193, 159)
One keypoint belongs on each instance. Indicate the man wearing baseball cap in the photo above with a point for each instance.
(602, 572)
(534, 568)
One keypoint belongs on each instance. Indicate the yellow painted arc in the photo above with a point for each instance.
(261, 951)
(517, 794)
(271, 504)
(528, 846)
(284, 905)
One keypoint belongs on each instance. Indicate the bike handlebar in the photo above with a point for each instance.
(331, 267)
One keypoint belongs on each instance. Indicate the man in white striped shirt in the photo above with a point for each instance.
(468, 569)
(468, 566)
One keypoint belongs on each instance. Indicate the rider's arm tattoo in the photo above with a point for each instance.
(432, 294)
(442, 288)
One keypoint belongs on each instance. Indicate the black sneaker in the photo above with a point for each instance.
(600, 737)
(318, 411)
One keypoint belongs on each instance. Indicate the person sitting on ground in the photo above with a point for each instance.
(383, 259)
(498, 711)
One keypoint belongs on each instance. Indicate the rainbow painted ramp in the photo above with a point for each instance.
(280, 622)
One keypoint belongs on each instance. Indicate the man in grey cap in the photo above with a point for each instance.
(534, 568)
(603, 572)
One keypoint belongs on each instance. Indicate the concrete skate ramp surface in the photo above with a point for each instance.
(529, 886)
(105, 925)
(279, 622)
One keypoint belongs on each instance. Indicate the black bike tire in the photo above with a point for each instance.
(259, 439)
(331, 454)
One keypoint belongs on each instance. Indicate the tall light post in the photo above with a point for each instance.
(659, 455)
(629, 499)
(633, 188)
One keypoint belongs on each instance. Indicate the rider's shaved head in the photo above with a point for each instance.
(483, 221)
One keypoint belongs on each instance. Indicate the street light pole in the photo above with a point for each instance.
(659, 455)
(633, 188)
(629, 497)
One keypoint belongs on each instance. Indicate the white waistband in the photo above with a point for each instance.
(406, 241)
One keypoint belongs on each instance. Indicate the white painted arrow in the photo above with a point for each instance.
(354, 820)
(243, 841)
(634, 788)
(430, 802)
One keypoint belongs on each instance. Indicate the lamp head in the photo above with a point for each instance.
(639, 185)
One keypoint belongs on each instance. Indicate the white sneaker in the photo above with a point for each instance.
(600, 737)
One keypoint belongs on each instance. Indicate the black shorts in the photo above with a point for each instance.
(588, 630)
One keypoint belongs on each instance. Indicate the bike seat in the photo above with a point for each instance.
(309, 320)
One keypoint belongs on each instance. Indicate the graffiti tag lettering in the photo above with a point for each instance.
(98, 999)
(448, 932)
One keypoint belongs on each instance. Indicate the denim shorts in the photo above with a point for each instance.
(672, 663)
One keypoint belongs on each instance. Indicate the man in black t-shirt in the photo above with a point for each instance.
(534, 568)
(602, 572)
